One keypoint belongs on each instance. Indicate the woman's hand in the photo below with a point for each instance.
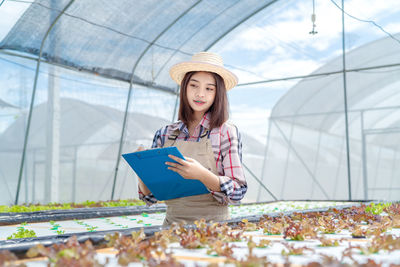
(191, 169)
(188, 168)
(140, 148)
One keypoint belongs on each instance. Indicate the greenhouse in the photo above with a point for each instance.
(316, 108)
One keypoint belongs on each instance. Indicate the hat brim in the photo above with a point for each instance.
(178, 71)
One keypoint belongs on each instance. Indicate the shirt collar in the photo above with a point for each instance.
(205, 122)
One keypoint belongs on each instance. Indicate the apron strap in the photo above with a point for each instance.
(173, 136)
(205, 133)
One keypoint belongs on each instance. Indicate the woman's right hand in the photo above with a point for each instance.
(140, 148)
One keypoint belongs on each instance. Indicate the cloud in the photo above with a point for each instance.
(277, 67)
(287, 67)
(10, 12)
(393, 28)
(251, 120)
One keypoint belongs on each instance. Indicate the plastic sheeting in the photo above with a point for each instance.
(307, 141)
(119, 39)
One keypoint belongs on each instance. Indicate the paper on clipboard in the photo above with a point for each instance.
(165, 184)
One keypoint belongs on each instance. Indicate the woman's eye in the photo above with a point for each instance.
(210, 89)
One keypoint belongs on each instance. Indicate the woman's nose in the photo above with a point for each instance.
(200, 92)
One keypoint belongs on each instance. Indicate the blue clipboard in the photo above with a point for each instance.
(165, 184)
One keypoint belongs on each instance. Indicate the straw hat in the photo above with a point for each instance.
(204, 61)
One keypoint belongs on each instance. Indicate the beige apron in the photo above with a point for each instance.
(189, 209)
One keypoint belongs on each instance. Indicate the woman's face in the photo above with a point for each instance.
(200, 92)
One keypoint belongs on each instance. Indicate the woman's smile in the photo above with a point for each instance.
(199, 102)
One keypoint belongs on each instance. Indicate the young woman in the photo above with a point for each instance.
(210, 145)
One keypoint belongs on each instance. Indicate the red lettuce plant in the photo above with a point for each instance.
(70, 254)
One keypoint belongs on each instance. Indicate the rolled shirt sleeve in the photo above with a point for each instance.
(149, 199)
(229, 164)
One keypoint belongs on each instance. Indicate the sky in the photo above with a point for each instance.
(276, 44)
(10, 11)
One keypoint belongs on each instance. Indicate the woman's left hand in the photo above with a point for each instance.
(188, 168)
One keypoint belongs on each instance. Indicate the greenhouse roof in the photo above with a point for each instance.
(120, 40)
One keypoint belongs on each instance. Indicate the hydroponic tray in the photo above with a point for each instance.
(156, 218)
(78, 213)
(361, 235)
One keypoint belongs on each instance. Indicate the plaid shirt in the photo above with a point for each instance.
(227, 147)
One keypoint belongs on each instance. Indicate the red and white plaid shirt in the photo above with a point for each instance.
(227, 147)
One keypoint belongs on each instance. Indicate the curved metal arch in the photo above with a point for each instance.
(161, 34)
(130, 90)
(33, 97)
(190, 37)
